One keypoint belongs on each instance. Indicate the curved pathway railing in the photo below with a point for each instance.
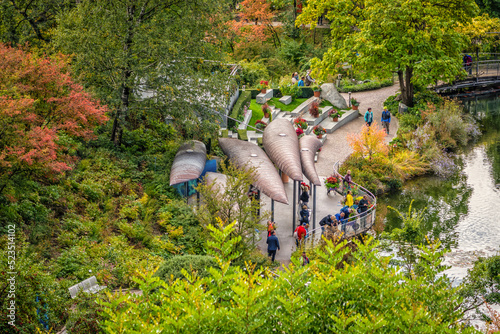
(355, 224)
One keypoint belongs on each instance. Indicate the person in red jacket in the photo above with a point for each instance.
(301, 232)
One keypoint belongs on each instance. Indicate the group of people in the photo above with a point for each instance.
(386, 118)
(304, 80)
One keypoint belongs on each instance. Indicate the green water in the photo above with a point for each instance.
(464, 210)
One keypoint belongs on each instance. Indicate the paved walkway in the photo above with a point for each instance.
(335, 149)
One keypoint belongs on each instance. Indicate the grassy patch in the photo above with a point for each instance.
(256, 112)
(295, 103)
(325, 103)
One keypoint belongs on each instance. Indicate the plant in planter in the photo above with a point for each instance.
(332, 183)
(263, 86)
(266, 110)
(355, 104)
(317, 90)
(299, 132)
(261, 125)
(314, 109)
(335, 114)
(300, 123)
(319, 131)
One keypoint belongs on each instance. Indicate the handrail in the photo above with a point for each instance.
(354, 225)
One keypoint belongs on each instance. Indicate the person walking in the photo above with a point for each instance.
(301, 82)
(273, 245)
(304, 196)
(295, 78)
(347, 180)
(304, 215)
(386, 119)
(271, 226)
(369, 117)
(326, 221)
(305, 259)
(309, 80)
(300, 233)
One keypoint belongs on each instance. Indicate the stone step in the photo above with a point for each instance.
(331, 126)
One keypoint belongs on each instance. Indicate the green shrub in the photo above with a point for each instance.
(370, 85)
(252, 72)
(173, 266)
(243, 100)
(288, 88)
(85, 318)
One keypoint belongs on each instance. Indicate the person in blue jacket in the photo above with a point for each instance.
(369, 117)
(273, 245)
(301, 82)
(386, 119)
(304, 215)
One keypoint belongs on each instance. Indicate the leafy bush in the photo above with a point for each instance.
(171, 269)
(238, 107)
(85, 318)
(370, 85)
(288, 88)
(252, 72)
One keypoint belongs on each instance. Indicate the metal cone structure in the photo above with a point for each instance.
(246, 155)
(282, 146)
(189, 162)
(308, 147)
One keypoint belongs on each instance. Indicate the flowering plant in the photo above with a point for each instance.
(263, 85)
(300, 123)
(261, 125)
(332, 182)
(314, 109)
(299, 132)
(319, 130)
(354, 102)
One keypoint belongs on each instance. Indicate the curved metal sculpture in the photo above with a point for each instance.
(247, 155)
(282, 146)
(189, 162)
(216, 181)
(308, 147)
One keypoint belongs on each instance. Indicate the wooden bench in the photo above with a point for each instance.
(89, 285)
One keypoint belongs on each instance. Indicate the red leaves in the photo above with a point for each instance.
(38, 103)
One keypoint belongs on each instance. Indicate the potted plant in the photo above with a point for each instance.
(331, 183)
(317, 90)
(314, 109)
(334, 114)
(266, 110)
(318, 130)
(261, 125)
(299, 132)
(300, 123)
(354, 104)
(262, 86)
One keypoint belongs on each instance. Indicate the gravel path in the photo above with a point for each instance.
(336, 147)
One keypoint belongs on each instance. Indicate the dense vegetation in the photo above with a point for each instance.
(95, 99)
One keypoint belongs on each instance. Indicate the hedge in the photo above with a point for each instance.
(307, 92)
(244, 98)
(174, 266)
(366, 86)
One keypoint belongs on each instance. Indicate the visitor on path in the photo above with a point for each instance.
(349, 200)
(299, 234)
(295, 78)
(273, 245)
(304, 215)
(309, 80)
(363, 204)
(271, 227)
(468, 63)
(369, 117)
(329, 220)
(347, 180)
(304, 196)
(301, 82)
(340, 217)
(386, 119)
(347, 211)
(305, 259)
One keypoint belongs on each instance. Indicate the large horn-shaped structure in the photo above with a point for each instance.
(308, 147)
(247, 155)
(189, 162)
(216, 181)
(282, 146)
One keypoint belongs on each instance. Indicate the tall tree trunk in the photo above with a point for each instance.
(406, 86)
(122, 112)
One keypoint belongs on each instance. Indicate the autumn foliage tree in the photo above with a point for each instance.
(255, 22)
(42, 111)
(369, 142)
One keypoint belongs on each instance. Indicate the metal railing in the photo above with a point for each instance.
(355, 224)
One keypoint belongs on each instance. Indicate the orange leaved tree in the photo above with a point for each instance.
(42, 111)
(369, 142)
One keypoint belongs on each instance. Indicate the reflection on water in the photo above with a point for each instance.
(463, 211)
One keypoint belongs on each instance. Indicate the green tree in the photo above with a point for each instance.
(416, 39)
(230, 202)
(144, 58)
(365, 296)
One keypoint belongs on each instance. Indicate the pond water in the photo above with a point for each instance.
(462, 211)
